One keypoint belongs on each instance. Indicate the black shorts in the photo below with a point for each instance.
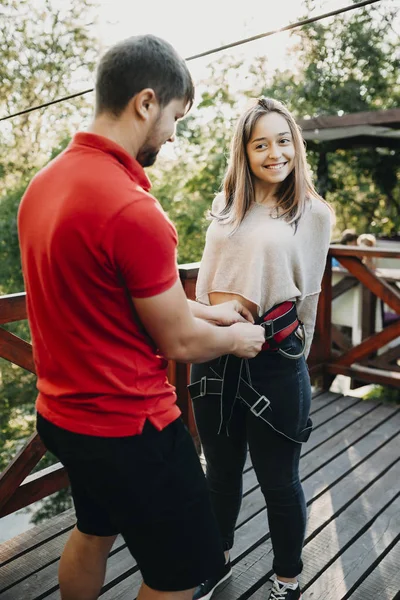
(152, 490)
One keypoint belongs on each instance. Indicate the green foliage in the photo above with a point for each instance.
(382, 393)
(11, 273)
(349, 65)
(45, 52)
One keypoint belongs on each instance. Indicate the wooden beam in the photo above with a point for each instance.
(189, 278)
(343, 286)
(377, 285)
(370, 345)
(340, 339)
(12, 308)
(36, 487)
(339, 250)
(16, 350)
(322, 344)
(189, 270)
(367, 374)
(20, 467)
(386, 360)
(368, 312)
(388, 117)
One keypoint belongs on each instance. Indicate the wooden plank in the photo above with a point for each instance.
(36, 537)
(368, 313)
(321, 347)
(44, 561)
(347, 436)
(370, 345)
(366, 374)
(343, 286)
(384, 581)
(20, 467)
(333, 428)
(189, 270)
(321, 400)
(16, 350)
(20, 571)
(387, 360)
(339, 250)
(324, 512)
(333, 409)
(253, 570)
(345, 572)
(377, 285)
(35, 487)
(340, 339)
(332, 540)
(389, 117)
(13, 308)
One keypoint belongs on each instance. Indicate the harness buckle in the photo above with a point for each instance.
(257, 413)
(203, 386)
(269, 329)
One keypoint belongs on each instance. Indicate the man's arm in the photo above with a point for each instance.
(226, 313)
(181, 336)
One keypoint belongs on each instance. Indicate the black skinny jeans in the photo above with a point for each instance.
(275, 458)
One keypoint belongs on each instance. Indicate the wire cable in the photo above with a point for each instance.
(212, 51)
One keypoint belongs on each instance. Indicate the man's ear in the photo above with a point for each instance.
(145, 105)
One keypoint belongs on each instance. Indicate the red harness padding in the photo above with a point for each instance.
(279, 322)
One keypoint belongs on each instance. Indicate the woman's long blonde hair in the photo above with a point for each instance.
(238, 186)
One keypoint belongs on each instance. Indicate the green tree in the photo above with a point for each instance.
(46, 51)
(350, 64)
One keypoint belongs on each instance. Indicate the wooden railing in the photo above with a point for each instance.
(331, 353)
(18, 488)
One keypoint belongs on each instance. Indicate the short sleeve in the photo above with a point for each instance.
(142, 244)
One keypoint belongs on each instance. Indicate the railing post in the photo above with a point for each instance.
(322, 343)
(188, 274)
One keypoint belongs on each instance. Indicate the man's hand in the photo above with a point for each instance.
(249, 339)
(228, 313)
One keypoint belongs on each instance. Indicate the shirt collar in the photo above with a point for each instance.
(84, 138)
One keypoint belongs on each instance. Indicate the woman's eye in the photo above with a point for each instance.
(260, 146)
(285, 141)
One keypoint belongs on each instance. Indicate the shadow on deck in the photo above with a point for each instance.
(350, 470)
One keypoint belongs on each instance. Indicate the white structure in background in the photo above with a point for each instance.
(347, 308)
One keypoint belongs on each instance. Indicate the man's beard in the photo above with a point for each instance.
(147, 156)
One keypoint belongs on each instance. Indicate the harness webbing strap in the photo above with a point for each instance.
(229, 383)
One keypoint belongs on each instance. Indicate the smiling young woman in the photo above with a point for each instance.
(266, 246)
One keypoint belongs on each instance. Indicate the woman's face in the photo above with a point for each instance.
(270, 149)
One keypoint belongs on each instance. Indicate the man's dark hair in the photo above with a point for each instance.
(139, 62)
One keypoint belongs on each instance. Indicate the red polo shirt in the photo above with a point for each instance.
(91, 237)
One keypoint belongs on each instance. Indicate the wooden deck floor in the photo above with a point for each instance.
(351, 474)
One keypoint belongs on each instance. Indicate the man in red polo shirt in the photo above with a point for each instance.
(106, 309)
